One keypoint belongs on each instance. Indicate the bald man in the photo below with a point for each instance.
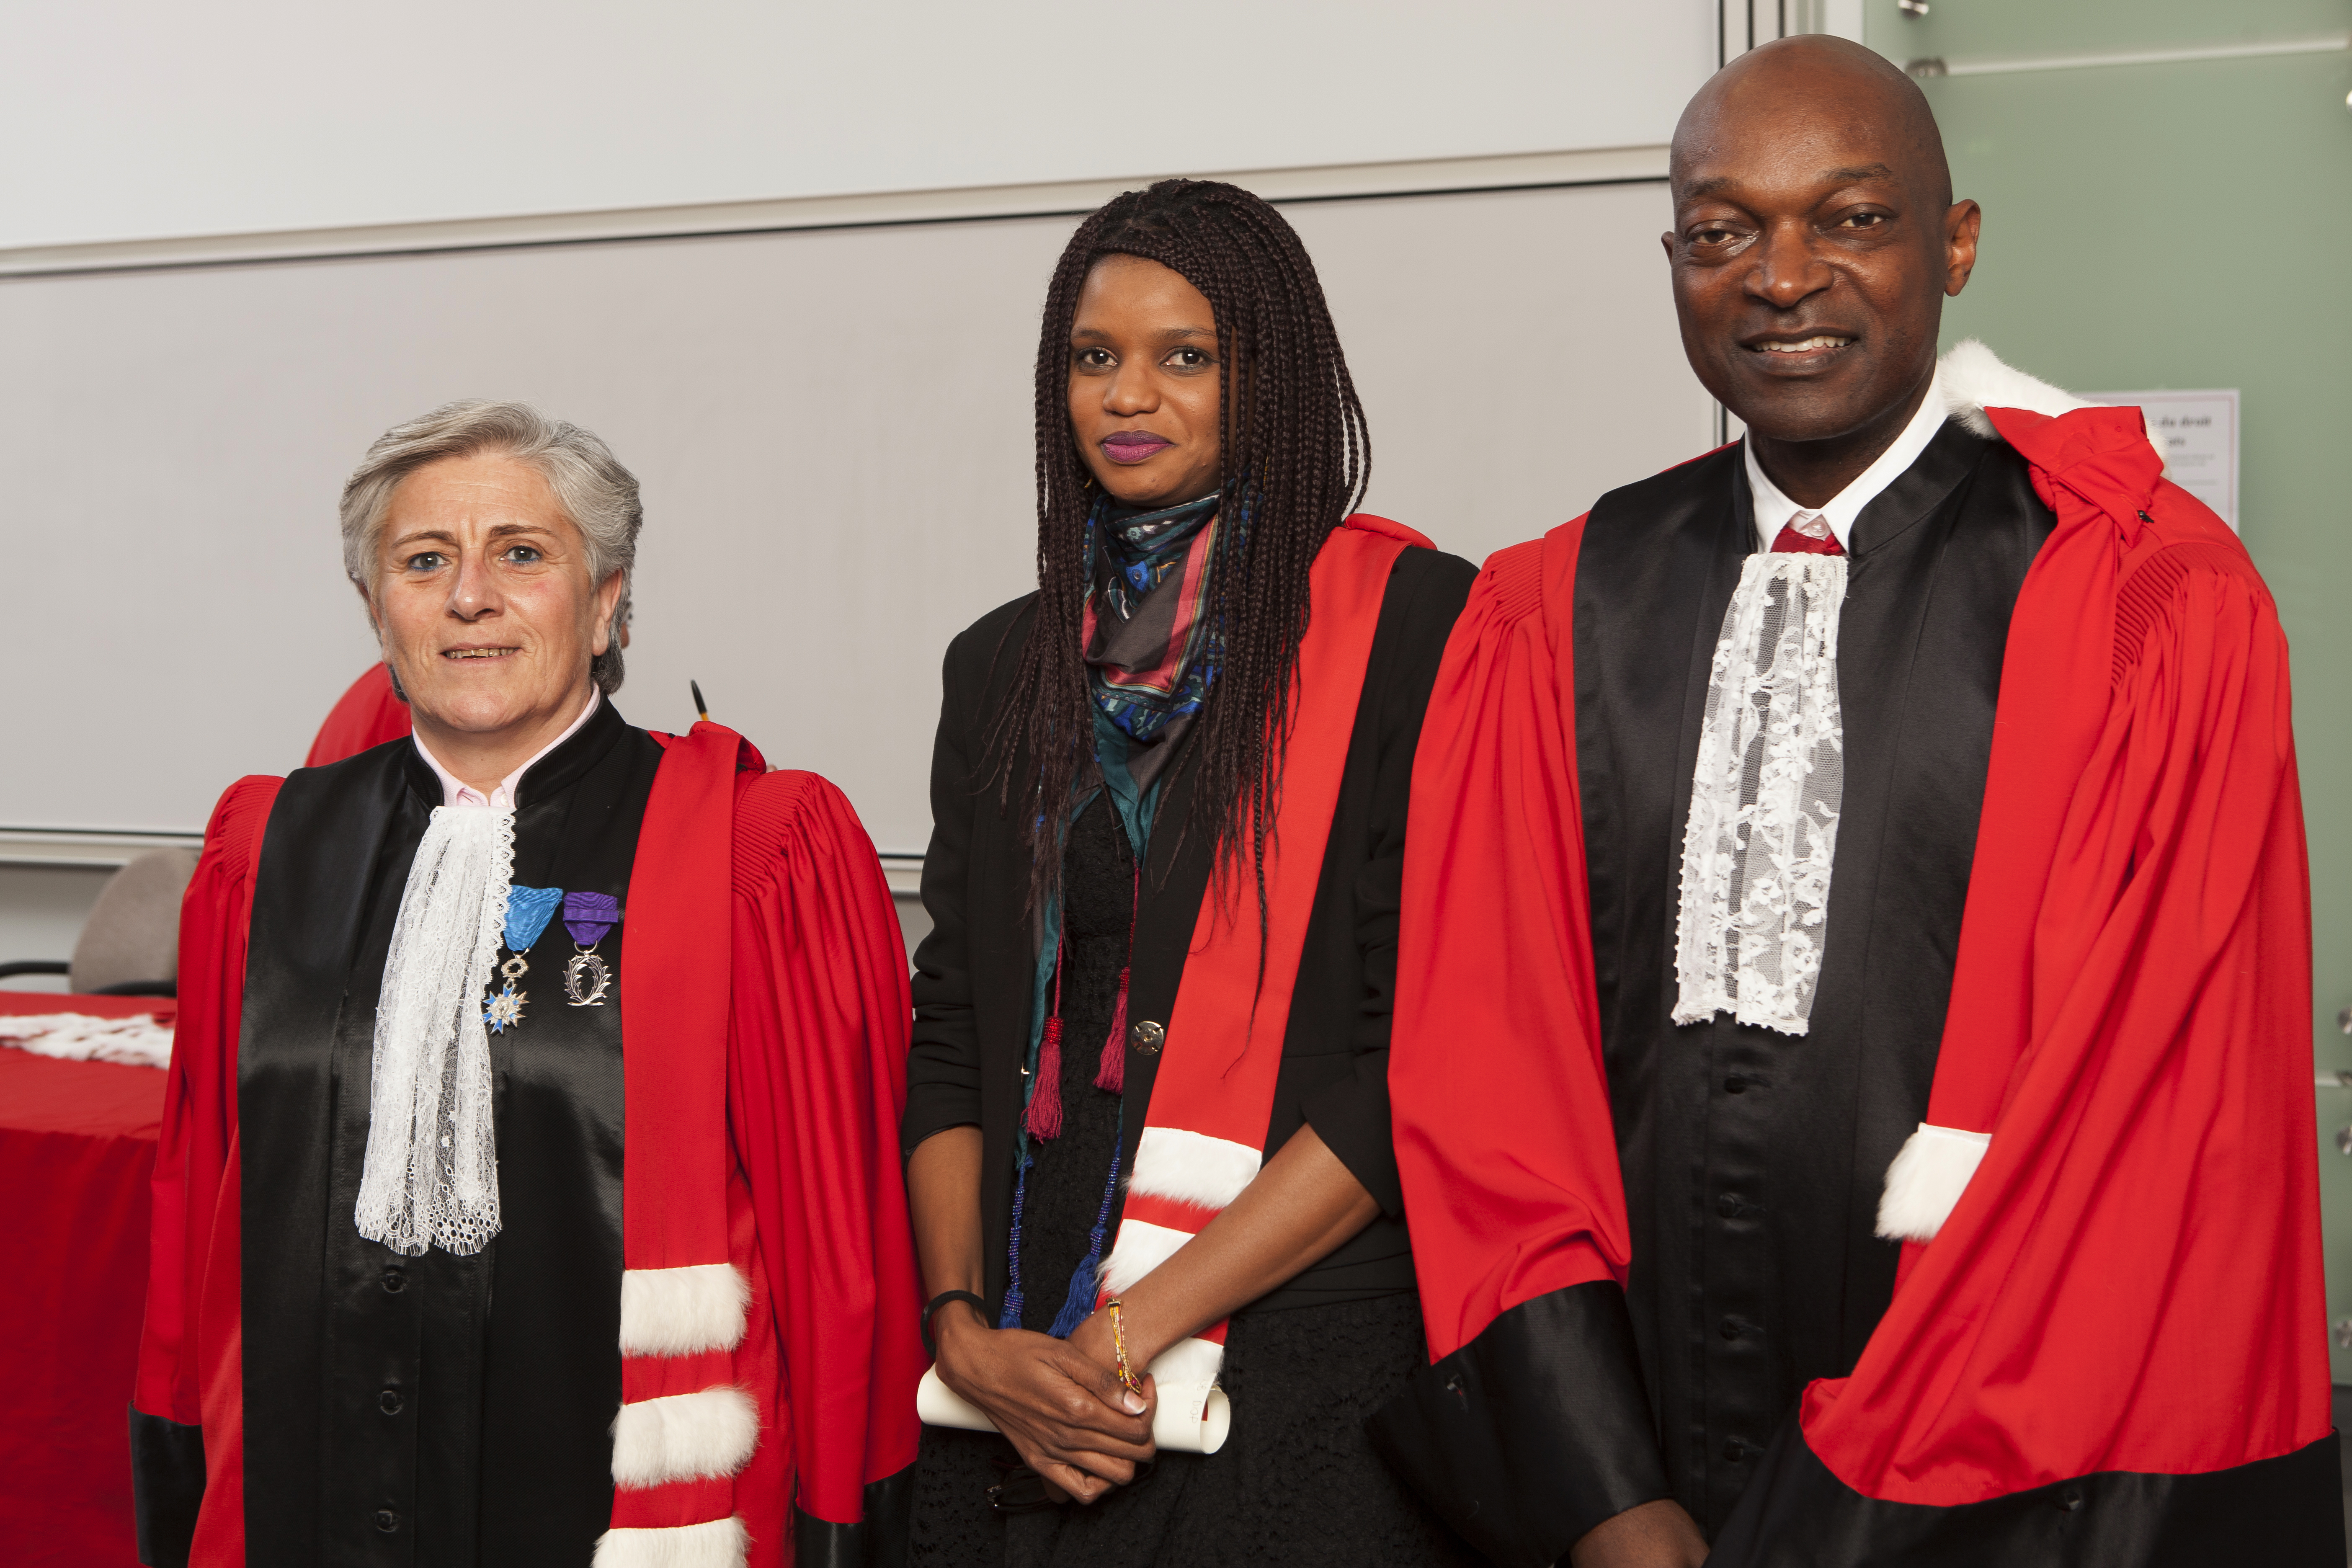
(1851, 1057)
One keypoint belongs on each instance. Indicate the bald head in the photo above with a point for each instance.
(1816, 240)
(1785, 88)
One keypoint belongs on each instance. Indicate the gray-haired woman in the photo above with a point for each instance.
(527, 1191)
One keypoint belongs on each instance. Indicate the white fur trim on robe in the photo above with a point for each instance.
(1142, 1247)
(721, 1543)
(684, 1437)
(683, 1312)
(1974, 380)
(1193, 1167)
(1926, 1179)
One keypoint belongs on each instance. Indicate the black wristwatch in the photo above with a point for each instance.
(941, 1300)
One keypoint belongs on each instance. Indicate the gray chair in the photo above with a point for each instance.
(129, 946)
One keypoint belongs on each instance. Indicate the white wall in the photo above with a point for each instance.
(832, 429)
(171, 440)
(137, 119)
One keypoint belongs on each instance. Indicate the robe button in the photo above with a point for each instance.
(394, 1281)
(390, 1402)
(1734, 1449)
(1732, 1328)
(386, 1521)
(1147, 1037)
(2070, 1500)
(1735, 1085)
(1731, 1206)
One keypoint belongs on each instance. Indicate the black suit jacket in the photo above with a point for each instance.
(973, 973)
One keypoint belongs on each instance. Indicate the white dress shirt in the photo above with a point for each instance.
(1774, 510)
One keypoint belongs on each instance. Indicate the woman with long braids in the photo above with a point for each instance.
(1148, 1122)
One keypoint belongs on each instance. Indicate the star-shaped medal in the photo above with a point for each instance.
(504, 1010)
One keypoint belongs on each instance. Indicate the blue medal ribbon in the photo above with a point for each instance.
(528, 911)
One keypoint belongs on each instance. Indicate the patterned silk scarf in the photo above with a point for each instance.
(1151, 651)
(1150, 658)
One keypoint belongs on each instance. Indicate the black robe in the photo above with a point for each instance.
(434, 1410)
(1753, 1160)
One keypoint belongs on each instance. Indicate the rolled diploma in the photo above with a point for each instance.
(1194, 1415)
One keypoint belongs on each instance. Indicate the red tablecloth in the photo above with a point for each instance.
(77, 1143)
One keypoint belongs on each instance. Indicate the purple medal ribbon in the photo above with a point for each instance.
(588, 916)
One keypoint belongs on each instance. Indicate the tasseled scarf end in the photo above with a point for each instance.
(1111, 1075)
(1046, 1099)
(1044, 1115)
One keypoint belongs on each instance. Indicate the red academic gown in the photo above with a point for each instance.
(813, 1208)
(2113, 1350)
(366, 715)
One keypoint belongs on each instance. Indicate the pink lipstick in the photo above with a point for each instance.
(1133, 445)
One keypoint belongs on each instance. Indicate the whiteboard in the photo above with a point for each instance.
(831, 428)
(135, 118)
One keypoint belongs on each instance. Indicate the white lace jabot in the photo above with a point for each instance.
(1765, 799)
(1770, 782)
(430, 1176)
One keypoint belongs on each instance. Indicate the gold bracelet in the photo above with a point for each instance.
(1126, 1378)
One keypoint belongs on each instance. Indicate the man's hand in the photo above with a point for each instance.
(1066, 1413)
(1655, 1535)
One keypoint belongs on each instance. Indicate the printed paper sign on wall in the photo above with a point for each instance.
(2200, 431)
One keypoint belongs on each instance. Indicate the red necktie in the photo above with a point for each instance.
(1807, 533)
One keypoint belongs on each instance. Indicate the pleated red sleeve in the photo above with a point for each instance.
(181, 1429)
(2132, 1280)
(1530, 1426)
(817, 1082)
(1498, 1092)
(200, 1095)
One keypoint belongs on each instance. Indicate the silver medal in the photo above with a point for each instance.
(585, 979)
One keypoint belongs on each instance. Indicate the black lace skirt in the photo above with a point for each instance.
(1297, 1483)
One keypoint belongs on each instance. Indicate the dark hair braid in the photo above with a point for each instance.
(1296, 454)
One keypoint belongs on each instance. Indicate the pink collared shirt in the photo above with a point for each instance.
(453, 791)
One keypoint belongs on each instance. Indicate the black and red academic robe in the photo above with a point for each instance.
(2113, 1350)
(366, 715)
(725, 1120)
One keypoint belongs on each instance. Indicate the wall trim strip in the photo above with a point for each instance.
(1607, 165)
(88, 846)
(107, 847)
(2326, 44)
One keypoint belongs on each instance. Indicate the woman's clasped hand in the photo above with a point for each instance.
(1059, 1401)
